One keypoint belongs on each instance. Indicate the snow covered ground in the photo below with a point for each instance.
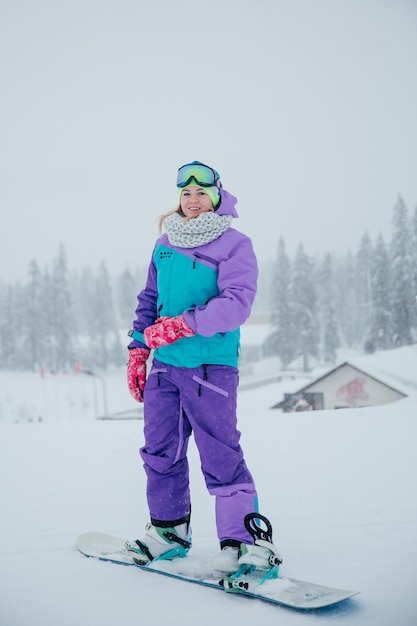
(338, 486)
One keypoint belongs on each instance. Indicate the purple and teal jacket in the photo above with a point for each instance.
(212, 285)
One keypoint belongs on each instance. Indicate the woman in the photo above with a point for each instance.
(200, 288)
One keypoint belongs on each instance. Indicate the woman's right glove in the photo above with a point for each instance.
(136, 372)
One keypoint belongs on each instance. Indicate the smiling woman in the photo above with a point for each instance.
(198, 191)
(201, 284)
(194, 201)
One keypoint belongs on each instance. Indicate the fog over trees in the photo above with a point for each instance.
(365, 300)
(61, 319)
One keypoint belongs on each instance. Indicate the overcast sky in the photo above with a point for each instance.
(308, 109)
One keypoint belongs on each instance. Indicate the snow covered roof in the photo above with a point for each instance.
(364, 380)
(342, 365)
(395, 368)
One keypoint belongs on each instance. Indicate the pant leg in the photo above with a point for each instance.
(209, 399)
(167, 433)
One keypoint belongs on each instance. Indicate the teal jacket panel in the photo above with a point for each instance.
(183, 283)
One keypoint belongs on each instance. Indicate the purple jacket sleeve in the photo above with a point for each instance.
(146, 312)
(237, 283)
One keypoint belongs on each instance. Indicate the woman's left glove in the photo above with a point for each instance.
(136, 372)
(166, 330)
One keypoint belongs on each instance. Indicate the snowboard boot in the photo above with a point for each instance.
(262, 554)
(258, 556)
(162, 541)
(227, 560)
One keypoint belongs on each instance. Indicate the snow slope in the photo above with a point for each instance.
(339, 488)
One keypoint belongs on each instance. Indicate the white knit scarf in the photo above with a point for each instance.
(195, 232)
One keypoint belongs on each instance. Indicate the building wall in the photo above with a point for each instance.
(348, 387)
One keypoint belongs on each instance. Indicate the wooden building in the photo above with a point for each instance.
(345, 386)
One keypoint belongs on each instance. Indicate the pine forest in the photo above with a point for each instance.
(62, 319)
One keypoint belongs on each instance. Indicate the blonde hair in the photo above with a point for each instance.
(177, 210)
(165, 215)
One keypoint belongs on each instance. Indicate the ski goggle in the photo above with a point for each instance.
(203, 175)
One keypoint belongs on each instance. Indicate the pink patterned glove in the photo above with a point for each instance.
(136, 372)
(166, 330)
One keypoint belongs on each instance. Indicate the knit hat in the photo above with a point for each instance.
(212, 192)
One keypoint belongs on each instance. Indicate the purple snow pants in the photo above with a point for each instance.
(202, 400)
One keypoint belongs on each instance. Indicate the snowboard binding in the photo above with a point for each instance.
(261, 556)
(262, 536)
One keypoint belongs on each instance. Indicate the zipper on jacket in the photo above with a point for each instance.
(208, 259)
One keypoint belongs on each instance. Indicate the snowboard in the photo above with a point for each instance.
(296, 594)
